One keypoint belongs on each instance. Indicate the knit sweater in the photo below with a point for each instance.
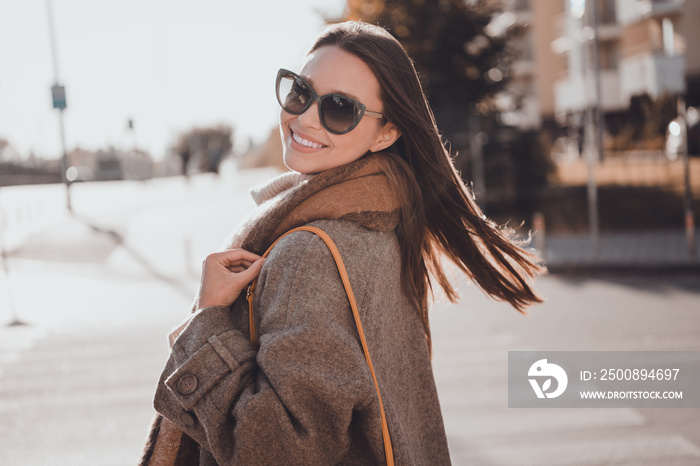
(306, 395)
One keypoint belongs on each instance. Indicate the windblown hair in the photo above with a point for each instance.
(439, 217)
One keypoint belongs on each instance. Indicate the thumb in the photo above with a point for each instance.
(253, 271)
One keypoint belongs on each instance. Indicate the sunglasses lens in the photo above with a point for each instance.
(293, 94)
(339, 114)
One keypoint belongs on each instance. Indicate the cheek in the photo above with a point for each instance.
(285, 118)
(360, 139)
(353, 145)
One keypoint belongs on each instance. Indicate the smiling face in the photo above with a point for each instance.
(308, 147)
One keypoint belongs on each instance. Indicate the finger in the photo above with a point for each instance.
(253, 271)
(232, 255)
(245, 253)
(239, 264)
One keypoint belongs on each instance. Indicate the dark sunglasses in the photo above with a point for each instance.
(338, 114)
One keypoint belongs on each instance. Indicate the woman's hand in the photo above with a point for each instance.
(224, 276)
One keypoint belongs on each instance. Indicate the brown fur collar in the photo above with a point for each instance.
(358, 191)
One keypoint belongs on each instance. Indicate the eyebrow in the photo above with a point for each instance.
(333, 91)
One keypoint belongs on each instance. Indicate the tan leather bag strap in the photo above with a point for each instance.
(353, 304)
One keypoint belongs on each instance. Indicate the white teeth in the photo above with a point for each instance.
(304, 142)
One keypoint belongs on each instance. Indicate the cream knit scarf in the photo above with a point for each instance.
(358, 191)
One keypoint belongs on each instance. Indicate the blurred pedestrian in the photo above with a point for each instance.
(368, 167)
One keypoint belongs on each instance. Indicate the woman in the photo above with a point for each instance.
(369, 168)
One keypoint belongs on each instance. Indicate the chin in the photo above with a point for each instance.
(293, 163)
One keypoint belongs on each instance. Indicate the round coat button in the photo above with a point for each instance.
(187, 384)
(187, 419)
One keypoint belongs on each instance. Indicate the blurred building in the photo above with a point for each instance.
(85, 163)
(109, 164)
(136, 165)
(536, 67)
(267, 154)
(644, 47)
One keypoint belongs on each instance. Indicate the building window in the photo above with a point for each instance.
(605, 12)
(608, 55)
(667, 37)
(527, 45)
(521, 5)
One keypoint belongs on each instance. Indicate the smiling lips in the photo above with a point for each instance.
(305, 142)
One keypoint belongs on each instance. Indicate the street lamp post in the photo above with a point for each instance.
(595, 146)
(58, 94)
(584, 12)
(688, 197)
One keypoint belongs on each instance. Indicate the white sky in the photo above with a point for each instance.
(168, 64)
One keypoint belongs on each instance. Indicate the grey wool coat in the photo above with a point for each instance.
(306, 396)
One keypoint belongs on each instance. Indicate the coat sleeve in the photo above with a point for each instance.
(293, 400)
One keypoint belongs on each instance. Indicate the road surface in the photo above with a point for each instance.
(101, 290)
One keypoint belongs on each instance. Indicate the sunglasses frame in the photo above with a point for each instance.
(315, 98)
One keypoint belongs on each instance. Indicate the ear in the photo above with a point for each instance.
(386, 137)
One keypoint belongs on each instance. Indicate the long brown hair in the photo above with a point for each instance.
(439, 216)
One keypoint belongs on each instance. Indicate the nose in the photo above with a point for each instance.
(310, 118)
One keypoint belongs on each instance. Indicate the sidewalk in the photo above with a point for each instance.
(99, 292)
(636, 252)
